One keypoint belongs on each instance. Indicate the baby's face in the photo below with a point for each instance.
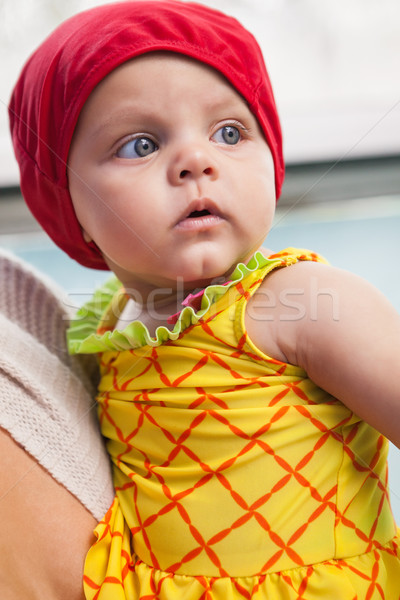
(170, 174)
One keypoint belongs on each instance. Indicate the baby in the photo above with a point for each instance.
(246, 431)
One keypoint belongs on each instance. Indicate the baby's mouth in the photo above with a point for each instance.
(198, 213)
(200, 216)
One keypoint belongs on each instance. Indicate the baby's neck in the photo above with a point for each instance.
(154, 306)
(153, 313)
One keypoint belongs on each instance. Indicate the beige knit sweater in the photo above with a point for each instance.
(46, 396)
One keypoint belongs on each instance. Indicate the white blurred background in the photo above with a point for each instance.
(334, 66)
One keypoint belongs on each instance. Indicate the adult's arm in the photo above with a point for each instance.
(45, 530)
(54, 471)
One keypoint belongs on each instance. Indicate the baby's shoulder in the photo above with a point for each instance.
(305, 278)
(289, 291)
(298, 301)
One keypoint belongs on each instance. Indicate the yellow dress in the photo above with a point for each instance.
(235, 475)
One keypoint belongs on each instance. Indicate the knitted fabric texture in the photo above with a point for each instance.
(45, 395)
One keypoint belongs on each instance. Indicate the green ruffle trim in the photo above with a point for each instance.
(82, 336)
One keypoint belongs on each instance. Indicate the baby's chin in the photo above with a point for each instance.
(206, 274)
(210, 269)
(185, 271)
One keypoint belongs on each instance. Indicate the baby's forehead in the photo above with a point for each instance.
(153, 63)
(166, 74)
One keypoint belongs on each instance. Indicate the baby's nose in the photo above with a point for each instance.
(192, 163)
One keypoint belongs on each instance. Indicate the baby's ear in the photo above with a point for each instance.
(86, 236)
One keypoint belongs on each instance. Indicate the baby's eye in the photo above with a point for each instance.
(137, 148)
(229, 134)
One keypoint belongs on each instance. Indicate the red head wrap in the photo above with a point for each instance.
(58, 78)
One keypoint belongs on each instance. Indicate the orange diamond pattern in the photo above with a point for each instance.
(236, 477)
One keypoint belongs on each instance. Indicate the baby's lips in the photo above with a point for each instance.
(200, 207)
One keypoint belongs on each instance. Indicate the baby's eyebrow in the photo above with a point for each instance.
(135, 118)
(125, 116)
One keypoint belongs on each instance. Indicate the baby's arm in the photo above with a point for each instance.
(341, 330)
